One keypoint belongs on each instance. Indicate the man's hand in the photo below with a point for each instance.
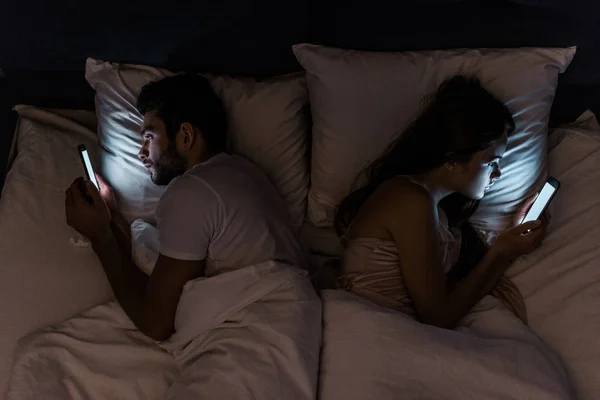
(86, 212)
(107, 193)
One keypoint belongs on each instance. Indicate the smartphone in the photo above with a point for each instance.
(87, 165)
(541, 203)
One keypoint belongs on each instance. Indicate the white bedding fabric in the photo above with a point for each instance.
(44, 279)
(99, 354)
(561, 280)
(371, 352)
(253, 333)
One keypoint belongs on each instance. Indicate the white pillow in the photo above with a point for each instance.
(267, 124)
(585, 128)
(44, 278)
(359, 100)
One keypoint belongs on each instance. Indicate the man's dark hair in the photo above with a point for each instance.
(187, 98)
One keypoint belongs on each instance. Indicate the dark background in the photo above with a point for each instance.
(44, 43)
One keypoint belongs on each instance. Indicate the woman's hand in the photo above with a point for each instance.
(107, 193)
(520, 240)
(520, 215)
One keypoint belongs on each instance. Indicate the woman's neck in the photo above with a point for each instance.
(435, 183)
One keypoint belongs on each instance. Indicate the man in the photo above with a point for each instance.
(218, 213)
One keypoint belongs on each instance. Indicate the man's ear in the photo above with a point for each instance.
(188, 135)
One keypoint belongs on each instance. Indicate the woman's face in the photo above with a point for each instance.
(474, 179)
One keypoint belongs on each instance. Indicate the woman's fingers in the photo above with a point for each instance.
(530, 201)
(547, 216)
(527, 226)
(539, 235)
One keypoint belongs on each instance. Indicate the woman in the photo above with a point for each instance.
(409, 245)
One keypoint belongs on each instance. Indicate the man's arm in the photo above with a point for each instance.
(118, 224)
(150, 302)
(121, 230)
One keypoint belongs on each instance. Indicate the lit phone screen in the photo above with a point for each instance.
(540, 203)
(89, 169)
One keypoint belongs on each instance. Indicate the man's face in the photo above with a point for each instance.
(159, 155)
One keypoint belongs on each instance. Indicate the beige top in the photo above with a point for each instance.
(371, 269)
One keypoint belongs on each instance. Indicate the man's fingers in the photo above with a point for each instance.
(76, 193)
(75, 184)
(101, 183)
(68, 197)
(93, 193)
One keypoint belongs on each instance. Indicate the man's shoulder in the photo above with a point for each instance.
(220, 163)
(227, 176)
(225, 169)
(187, 186)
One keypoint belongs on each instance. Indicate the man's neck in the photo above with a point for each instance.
(200, 160)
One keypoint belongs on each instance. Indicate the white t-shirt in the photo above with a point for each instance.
(227, 212)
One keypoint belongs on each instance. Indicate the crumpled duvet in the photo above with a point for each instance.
(252, 333)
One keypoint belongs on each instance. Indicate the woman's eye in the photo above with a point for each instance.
(148, 137)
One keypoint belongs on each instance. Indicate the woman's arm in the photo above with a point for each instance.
(414, 226)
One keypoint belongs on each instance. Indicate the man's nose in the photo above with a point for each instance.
(143, 154)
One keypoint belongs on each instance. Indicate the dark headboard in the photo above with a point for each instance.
(43, 44)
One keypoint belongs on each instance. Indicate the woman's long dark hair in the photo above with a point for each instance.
(461, 119)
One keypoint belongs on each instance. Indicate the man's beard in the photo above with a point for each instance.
(169, 166)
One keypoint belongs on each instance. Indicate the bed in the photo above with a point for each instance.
(50, 285)
(95, 352)
(560, 283)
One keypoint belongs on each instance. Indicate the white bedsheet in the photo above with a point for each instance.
(253, 333)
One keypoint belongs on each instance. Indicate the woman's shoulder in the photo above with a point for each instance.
(393, 205)
(404, 190)
(401, 199)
